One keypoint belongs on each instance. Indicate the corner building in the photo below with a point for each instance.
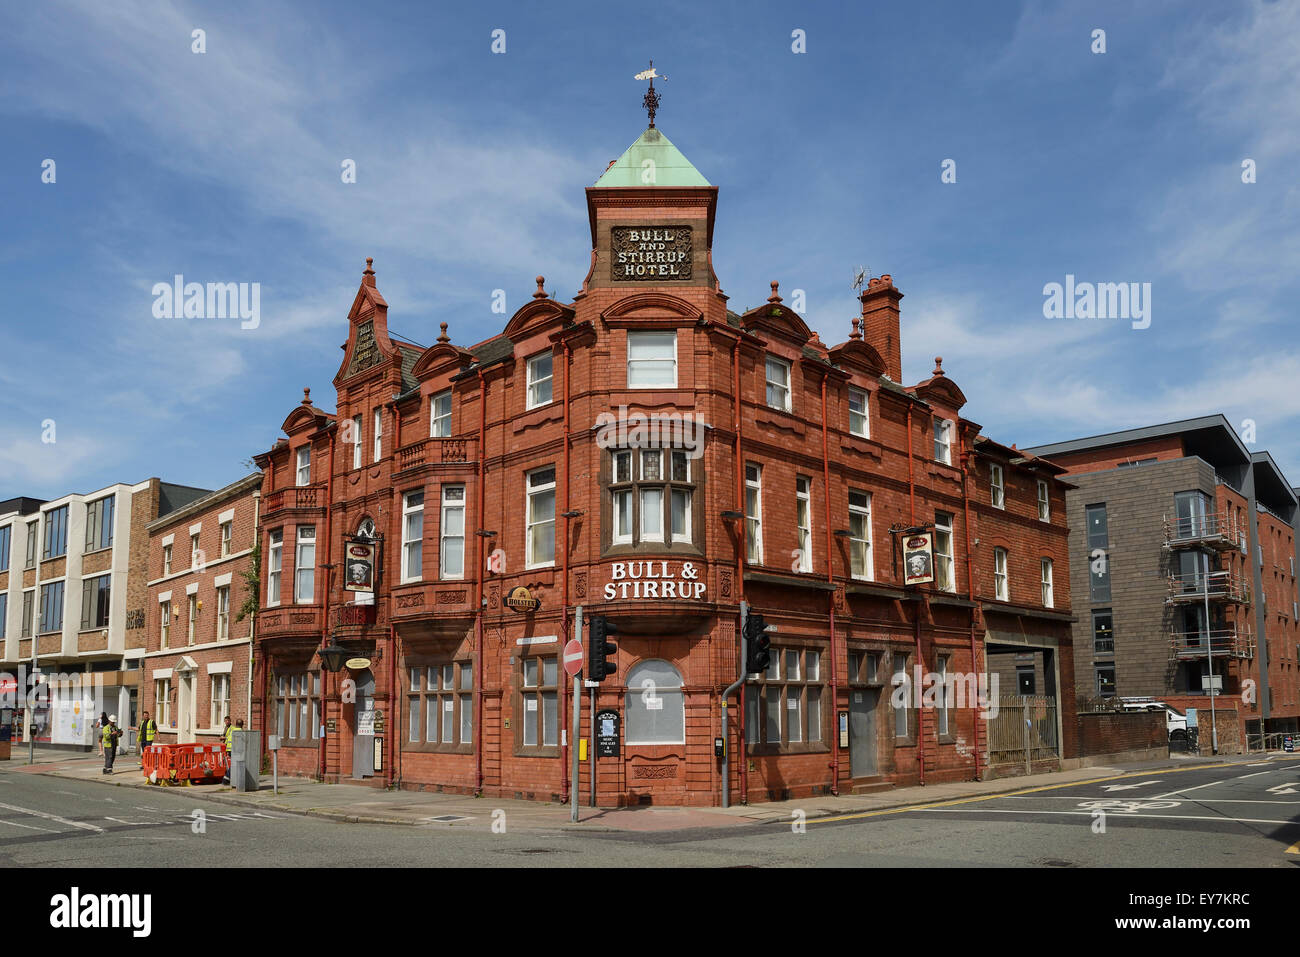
(647, 454)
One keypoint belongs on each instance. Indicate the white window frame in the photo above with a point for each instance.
(944, 528)
(754, 521)
(783, 365)
(219, 707)
(1001, 581)
(227, 537)
(358, 438)
(942, 440)
(941, 705)
(412, 546)
(531, 493)
(302, 470)
(997, 486)
(803, 522)
(1045, 566)
(162, 691)
(450, 505)
(274, 567)
(535, 382)
(304, 540)
(192, 624)
(440, 422)
(167, 559)
(194, 550)
(1044, 502)
(379, 434)
(223, 613)
(667, 382)
(165, 623)
(864, 513)
(864, 415)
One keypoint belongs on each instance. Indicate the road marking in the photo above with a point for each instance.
(1255, 775)
(30, 827)
(53, 817)
(1075, 797)
(1260, 764)
(1293, 849)
(1282, 789)
(1196, 788)
(1127, 787)
(1172, 817)
(992, 797)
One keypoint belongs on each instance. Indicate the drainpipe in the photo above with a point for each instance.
(970, 592)
(911, 486)
(478, 615)
(830, 577)
(328, 566)
(564, 586)
(252, 622)
(731, 689)
(395, 709)
(916, 614)
(740, 563)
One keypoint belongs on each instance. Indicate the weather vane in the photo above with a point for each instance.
(651, 100)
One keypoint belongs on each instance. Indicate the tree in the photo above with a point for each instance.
(252, 577)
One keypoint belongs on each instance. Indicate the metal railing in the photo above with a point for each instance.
(1219, 585)
(1222, 642)
(1216, 529)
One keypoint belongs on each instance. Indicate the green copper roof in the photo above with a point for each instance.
(666, 166)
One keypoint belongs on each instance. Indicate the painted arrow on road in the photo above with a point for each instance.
(1282, 789)
(1127, 787)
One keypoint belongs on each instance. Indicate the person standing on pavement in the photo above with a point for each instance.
(228, 743)
(109, 738)
(100, 725)
(148, 731)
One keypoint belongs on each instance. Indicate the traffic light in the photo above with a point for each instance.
(759, 645)
(598, 647)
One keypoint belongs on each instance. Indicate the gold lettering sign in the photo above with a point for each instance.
(366, 353)
(650, 253)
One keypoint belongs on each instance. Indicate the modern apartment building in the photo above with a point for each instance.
(1183, 558)
(72, 603)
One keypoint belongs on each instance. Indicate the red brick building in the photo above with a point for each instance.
(196, 663)
(646, 453)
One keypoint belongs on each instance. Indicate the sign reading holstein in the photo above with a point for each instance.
(653, 579)
(650, 254)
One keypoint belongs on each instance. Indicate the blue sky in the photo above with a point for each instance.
(225, 167)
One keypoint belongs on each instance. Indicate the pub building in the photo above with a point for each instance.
(648, 454)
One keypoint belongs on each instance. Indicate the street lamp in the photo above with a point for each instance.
(332, 655)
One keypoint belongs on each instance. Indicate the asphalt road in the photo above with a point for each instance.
(1236, 815)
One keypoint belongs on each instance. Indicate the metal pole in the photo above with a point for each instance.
(577, 717)
(1209, 647)
(726, 742)
(591, 748)
(1024, 713)
(275, 772)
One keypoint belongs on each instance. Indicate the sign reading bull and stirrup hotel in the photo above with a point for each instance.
(650, 254)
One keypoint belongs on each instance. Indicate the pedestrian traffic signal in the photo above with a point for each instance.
(758, 645)
(598, 647)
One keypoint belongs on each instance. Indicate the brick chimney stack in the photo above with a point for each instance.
(880, 324)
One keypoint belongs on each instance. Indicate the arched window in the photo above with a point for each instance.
(655, 708)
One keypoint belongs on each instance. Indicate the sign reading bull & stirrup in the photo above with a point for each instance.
(359, 566)
(918, 559)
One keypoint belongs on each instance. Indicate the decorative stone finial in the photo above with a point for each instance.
(938, 365)
(370, 263)
(541, 293)
(855, 334)
(775, 297)
(306, 396)
(443, 337)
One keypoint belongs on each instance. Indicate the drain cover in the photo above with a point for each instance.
(448, 818)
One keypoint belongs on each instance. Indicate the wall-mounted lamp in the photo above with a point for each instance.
(732, 514)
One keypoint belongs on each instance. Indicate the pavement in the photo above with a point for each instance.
(361, 804)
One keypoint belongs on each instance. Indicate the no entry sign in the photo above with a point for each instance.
(573, 656)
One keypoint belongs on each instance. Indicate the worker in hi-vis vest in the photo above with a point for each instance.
(228, 743)
(110, 736)
(148, 732)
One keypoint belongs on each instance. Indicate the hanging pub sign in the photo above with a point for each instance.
(918, 559)
(521, 599)
(359, 566)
